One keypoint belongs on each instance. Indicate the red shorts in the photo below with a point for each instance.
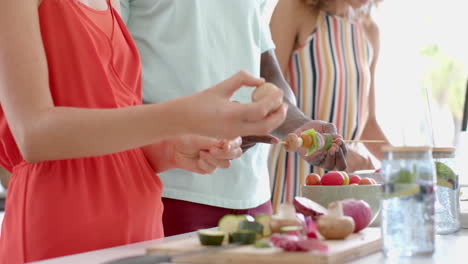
(182, 217)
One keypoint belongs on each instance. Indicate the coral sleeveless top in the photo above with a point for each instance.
(330, 76)
(63, 207)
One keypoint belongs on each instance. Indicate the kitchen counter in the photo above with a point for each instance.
(449, 249)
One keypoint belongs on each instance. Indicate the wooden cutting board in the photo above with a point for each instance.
(340, 251)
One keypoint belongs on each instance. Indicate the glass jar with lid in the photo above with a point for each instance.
(447, 206)
(407, 204)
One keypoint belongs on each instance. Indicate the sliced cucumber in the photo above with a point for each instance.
(229, 223)
(313, 148)
(265, 220)
(263, 244)
(252, 226)
(287, 229)
(246, 217)
(328, 141)
(244, 237)
(211, 237)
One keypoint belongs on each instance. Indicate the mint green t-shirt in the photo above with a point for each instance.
(187, 46)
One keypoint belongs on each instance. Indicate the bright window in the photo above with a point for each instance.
(424, 54)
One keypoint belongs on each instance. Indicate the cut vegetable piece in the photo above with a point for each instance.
(211, 237)
(263, 244)
(252, 226)
(246, 217)
(313, 146)
(292, 142)
(328, 141)
(230, 223)
(306, 140)
(244, 237)
(308, 207)
(264, 220)
(287, 229)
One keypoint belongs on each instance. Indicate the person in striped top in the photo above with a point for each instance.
(328, 50)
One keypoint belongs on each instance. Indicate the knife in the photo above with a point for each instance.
(166, 258)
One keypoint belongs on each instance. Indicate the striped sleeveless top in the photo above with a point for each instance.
(330, 76)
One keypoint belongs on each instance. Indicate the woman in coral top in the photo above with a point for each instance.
(81, 148)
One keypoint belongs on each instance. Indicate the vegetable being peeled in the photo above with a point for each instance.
(360, 211)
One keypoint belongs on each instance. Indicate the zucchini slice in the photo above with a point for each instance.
(252, 226)
(263, 244)
(244, 237)
(328, 141)
(211, 237)
(287, 229)
(246, 217)
(229, 223)
(264, 220)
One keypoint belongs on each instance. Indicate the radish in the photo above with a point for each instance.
(308, 207)
(360, 211)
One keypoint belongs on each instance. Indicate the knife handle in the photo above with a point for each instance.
(142, 259)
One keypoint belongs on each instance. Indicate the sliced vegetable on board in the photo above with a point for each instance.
(209, 237)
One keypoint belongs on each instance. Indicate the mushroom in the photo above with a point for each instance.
(292, 142)
(286, 217)
(335, 225)
(265, 90)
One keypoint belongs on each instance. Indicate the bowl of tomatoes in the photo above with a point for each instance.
(339, 185)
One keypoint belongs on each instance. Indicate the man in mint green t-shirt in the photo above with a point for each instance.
(187, 46)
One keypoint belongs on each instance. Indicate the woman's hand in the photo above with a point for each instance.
(212, 113)
(193, 153)
(203, 154)
(328, 160)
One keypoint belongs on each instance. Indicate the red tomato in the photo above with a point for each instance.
(313, 179)
(365, 181)
(333, 178)
(377, 171)
(354, 179)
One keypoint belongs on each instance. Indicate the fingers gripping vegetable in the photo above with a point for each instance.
(313, 142)
(335, 225)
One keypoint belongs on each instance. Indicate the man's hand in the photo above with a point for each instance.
(324, 159)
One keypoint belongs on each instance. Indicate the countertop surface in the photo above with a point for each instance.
(450, 249)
